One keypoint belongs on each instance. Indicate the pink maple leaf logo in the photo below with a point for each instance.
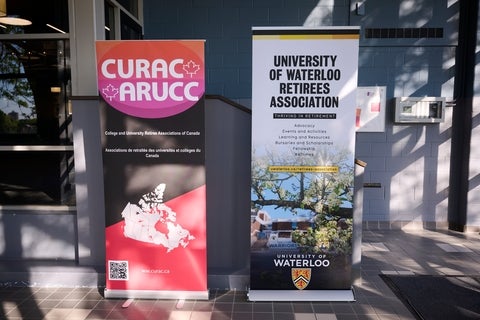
(110, 92)
(191, 68)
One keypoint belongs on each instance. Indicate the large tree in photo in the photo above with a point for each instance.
(327, 195)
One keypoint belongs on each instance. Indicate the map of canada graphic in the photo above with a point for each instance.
(162, 242)
(154, 222)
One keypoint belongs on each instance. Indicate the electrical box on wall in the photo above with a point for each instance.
(419, 109)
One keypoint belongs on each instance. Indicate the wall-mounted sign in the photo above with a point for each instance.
(370, 110)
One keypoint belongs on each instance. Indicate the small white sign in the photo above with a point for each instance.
(370, 111)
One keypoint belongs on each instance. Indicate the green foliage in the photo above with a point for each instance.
(327, 195)
(15, 90)
(328, 236)
(319, 192)
(7, 124)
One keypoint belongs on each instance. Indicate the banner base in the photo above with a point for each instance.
(153, 294)
(301, 295)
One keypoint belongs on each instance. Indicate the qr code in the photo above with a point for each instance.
(117, 270)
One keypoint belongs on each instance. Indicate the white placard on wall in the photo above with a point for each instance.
(370, 111)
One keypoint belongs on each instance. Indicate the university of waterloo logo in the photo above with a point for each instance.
(301, 277)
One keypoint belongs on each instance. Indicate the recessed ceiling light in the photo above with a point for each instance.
(13, 21)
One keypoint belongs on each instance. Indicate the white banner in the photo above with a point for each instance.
(303, 143)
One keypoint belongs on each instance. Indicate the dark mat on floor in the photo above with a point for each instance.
(438, 297)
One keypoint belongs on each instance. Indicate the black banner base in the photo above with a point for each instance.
(301, 295)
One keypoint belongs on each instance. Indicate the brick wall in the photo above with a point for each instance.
(410, 49)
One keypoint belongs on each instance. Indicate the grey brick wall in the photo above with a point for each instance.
(411, 162)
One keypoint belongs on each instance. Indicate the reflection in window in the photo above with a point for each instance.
(36, 158)
(109, 21)
(34, 81)
(126, 14)
(130, 5)
(17, 108)
(130, 29)
(47, 16)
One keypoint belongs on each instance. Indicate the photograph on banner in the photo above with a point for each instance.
(303, 143)
(153, 147)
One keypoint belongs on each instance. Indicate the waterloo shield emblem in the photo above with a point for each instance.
(301, 277)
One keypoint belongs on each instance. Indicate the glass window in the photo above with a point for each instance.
(36, 154)
(36, 177)
(130, 29)
(36, 149)
(46, 16)
(125, 13)
(34, 85)
(109, 21)
(130, 5)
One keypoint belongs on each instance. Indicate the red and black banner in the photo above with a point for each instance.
(153, 140)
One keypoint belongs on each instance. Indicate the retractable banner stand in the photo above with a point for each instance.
(153, 139)
(303, 143)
